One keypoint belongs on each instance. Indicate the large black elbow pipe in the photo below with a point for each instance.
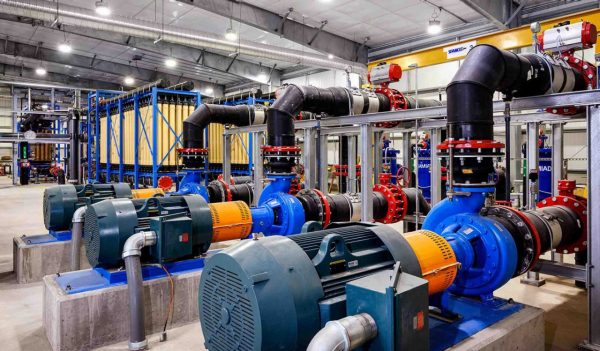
(470, 94)
(194, 125)
(280, 116)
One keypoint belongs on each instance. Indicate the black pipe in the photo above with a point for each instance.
(470, 97)
(194, 125)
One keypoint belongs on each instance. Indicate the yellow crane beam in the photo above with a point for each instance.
(509, 39)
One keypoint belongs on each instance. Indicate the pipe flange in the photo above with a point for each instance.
(472, 148)
(397, 203)
(319, 202)
(397, 102)
(523, 232)
(226, 190)
(580, 208)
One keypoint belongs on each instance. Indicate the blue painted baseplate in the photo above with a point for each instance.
(475, 316)
(51, 237)
(100, 278)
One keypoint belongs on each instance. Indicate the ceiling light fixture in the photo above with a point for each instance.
(40, 71)
(231, 34)
(102, 8)
(330, 56)
(170, 62)
(65, 48)
(128, 80)
(435, 26)
(209, 91)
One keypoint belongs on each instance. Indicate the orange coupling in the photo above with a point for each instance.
(436, 258)
(231, 220)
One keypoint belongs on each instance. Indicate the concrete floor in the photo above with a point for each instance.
(21, 305)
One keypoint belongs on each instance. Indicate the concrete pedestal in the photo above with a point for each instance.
(31, 262)
(523, 330)
(100, 317)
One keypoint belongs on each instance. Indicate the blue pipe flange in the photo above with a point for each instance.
(486, 251)
(280, 214)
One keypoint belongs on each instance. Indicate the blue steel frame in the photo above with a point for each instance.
(152, 142)
(93, 131)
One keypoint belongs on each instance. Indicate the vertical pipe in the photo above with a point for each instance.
(593, 285)
(436, 167)
(557, 156)
(226, 156)
(351, 185)
(532, 162)
(155, 136)
(258, 142)
(343, 161)
(366, 158)
(323, 162)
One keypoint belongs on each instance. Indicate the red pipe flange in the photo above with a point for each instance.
(397, 203)
(326, 208)
(397, 102)
(580, 208)
(227, 190)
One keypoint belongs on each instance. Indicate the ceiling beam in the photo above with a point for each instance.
(314, 37)
(91, 65)
(239, 70)
(11, 72)
(496, 11)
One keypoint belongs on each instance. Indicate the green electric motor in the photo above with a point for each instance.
(60, 202)
(183, 224)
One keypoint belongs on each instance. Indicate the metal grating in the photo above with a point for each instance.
(91, 236)
(227, 314)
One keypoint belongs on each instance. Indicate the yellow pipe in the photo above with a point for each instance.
(509, 39)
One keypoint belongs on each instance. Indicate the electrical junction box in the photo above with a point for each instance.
(400, 312)
(174, 237)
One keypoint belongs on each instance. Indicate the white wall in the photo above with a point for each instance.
(326, 79)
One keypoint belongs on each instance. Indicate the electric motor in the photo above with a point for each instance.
(60, 202)
(185, 226)
(273, 293)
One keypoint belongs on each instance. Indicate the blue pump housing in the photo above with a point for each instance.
(485, 248)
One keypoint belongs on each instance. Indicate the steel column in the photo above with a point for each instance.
(366, 179)
(557, 156)
(378, 156)
(108, 142)
(136, 142)
(351, 180)
(310, 159)
(154, 138)
(121, 142)
(593, 282)
(406, 150)
(435, 166)
(226, 157)
(259, 175)
(533, 153)
(323, 163)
